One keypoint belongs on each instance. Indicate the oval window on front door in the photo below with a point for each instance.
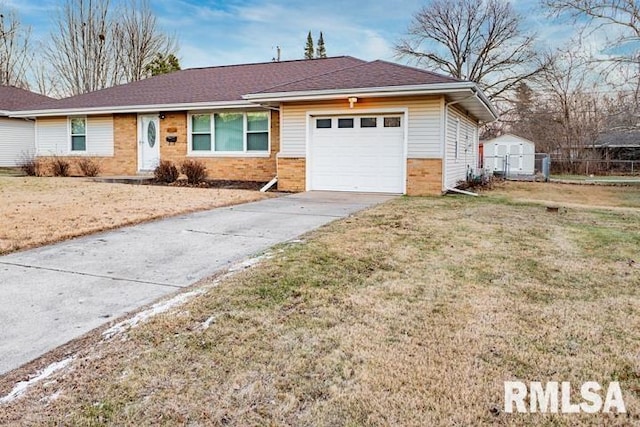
(151, 134)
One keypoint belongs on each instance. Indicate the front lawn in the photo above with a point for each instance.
(411, 313)
(37, 211)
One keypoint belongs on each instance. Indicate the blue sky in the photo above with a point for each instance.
(230, 32)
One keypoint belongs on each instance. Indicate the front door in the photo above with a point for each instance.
(148, 142)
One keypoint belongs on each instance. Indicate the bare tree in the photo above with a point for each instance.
(15, 52)
(138, 40)
(477, 40)
(620, 16)
(94, 46)
(563, 112)
(81, 51)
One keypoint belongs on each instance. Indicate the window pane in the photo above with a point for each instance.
(392, 122)
(78, 143)
(258, 141)
(368, 122)
(323, 123)
(257, 121)
(345, 123)
(229, 130)
(201, 123)
(78, 126)
(201, 142)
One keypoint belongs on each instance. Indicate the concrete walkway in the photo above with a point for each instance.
(56, 293)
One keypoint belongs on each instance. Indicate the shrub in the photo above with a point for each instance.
(89, 167)
(60, 167)
(166, 172)
(195, 171)
(29, 164)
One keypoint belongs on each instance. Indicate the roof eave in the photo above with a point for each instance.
(135, 109)
(385, 91)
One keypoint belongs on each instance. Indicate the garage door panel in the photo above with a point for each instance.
(357, 159)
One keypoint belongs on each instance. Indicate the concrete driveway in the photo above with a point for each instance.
(56, 293)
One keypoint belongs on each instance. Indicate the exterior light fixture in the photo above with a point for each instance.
(352, 100)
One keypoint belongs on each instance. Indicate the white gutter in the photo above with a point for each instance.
(437, 88)
(135, 109)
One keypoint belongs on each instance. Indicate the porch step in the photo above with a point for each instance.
(135, 179)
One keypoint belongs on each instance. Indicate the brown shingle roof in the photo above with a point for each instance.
(14, 99)
(364, 75)
(213, 84)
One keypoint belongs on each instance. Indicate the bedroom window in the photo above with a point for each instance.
(201, 132)
(257, 132)
(230, 132)
(78, 134)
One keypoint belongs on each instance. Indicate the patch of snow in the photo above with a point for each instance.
(205, 325)
(163, 306)
(243, 265)
(51, 398)
(155, 309)
(20, 388)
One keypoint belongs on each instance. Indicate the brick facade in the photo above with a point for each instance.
(125, 150)
(291, 174)
(234, 168)
(125, 158)
(424, 177)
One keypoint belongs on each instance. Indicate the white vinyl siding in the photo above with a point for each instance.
(462, 147)
(17, 138)
(100, 136)
(53, 137)
(424, 139)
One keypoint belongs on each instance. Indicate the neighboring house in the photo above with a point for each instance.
(509, 154)
(323, 124)
(17, 135)
(619, 144)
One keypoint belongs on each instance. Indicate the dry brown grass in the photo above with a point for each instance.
(36, 211)
(576, 195)
(412, 313)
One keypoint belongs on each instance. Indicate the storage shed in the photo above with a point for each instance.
(509, 155)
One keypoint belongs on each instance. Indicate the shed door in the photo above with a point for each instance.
(357, 153)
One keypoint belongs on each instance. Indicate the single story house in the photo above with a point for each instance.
(338, 123)
(17, 135)
(509, 154)
(622, 143)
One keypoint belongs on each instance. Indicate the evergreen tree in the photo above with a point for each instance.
(321, 52)
(308, 49)
(162, 64)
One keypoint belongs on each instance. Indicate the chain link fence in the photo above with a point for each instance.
(561, 166)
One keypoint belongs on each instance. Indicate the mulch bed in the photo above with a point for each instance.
(218, 183)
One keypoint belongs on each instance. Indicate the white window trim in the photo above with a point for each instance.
(457, 142)
(212, 153)
(71, 151)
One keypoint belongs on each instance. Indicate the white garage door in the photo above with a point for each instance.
(357, 153)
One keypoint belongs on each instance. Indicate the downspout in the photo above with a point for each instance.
(273, 182)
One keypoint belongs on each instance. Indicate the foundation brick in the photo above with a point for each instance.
(424, 177)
